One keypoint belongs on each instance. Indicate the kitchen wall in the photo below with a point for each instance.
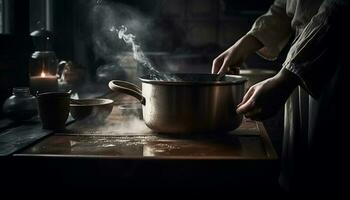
(196, 31)
(206, 22)
(15, 48)
(211, 26)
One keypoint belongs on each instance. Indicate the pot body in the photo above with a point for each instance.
(191, 106)
(183, 108)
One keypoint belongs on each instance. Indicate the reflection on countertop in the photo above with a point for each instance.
(235, 145)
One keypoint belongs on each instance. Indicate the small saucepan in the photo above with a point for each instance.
(93, 109)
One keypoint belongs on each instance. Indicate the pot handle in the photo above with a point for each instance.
(127, 88)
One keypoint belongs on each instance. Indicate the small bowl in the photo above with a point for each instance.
(94, 109)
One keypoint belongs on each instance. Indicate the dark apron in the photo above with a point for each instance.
(315, 149)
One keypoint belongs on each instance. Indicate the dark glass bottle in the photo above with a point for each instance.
(21, 105)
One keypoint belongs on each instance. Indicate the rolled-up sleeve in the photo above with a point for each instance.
(273, 30)
(312, 56)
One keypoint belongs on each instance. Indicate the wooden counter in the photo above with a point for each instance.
(124, 153)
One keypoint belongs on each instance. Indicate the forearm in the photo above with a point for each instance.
(287, 80)
(249, 45)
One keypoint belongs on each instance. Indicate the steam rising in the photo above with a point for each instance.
(115, 124)
(109, 26)
(139, 55)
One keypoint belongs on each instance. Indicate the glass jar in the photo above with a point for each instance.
(43, 62)
(43, 65)
(21, 105)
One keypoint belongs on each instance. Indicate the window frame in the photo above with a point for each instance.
(6, 16)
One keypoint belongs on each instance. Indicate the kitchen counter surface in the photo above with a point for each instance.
(248, 142)
(128, 137)
(124, 149)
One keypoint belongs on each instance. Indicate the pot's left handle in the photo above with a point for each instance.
(127, 88)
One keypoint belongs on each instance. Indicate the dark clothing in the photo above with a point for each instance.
(314, 148)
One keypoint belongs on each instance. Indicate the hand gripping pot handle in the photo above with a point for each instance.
(127, 88)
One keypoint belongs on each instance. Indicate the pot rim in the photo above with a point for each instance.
(239, 80)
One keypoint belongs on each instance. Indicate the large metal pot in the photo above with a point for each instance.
(195, 103)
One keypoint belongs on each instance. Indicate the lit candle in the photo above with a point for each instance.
(43, 83)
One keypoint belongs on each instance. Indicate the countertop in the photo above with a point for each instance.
(123, 152)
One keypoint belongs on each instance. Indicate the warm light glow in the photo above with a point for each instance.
(43, 74)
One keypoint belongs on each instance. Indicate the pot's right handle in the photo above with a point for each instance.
(127, 88)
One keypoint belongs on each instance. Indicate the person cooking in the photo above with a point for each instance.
(309, 85)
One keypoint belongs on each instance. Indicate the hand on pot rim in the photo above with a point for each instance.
(265, 98)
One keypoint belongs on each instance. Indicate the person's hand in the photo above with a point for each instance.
(264, 99)
(236, 54)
